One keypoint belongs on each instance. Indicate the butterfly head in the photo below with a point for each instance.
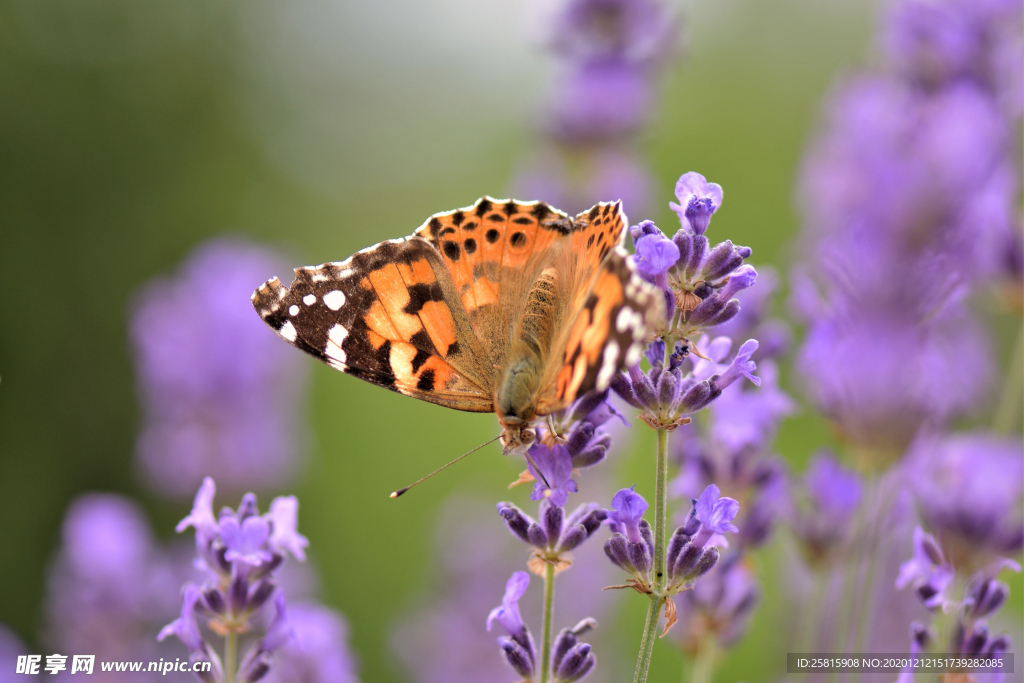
(516, 438)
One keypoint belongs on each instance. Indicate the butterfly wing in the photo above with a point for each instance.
(493, 250)
(389, 315)
(617, 315)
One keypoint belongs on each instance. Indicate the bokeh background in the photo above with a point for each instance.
(133, 132)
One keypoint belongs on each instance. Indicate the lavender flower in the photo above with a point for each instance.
(219, 394)
(571, 659)
(240, 556)
(698, 201)
(823, 516)
(927, 572)
(555, 468)
(968, 488)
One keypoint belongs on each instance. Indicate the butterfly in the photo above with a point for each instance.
(504, 306)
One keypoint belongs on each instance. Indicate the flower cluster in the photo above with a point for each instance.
(571, 660)
(692, 550)
(240, 553)
(822, 517)
(932, 577)
(719, 606)
(219, 392)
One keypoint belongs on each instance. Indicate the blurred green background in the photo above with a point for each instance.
(132, 131)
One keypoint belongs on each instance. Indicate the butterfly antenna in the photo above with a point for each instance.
(396, 494)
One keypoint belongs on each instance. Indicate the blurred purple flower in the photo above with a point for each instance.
(968, 489)
(11, 648)
(507, 614)
(715, 514)
(628, 31)
(719, 605)
(219, 393)
(318, 651)
(822, 515)
(628, 508)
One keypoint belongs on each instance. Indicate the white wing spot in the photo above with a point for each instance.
(611, 354)
(309, 299)
(334, 340)
(287, 331)
(334, 299)
(293, 309)
(633, 355)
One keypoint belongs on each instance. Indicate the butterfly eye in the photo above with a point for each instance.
(527, 436)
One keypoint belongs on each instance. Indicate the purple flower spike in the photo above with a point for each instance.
(741, 366)
(715, 514)
(628, 509)
(556, 467)
(927, 572)
(244, 540)
(507, 614)
(185, 627)
(283, 518)
(698, 200)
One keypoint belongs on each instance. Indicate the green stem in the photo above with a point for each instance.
(1009, 408)
(660, 518)
(230, 657)
(706, 661)
(643, 661)
(545, 634)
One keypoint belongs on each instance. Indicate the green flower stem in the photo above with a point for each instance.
(545, 635)
(230, 657)
(1009, 408)
(706, 660)
(660, 514)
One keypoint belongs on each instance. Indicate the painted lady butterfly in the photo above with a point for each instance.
(504, 306)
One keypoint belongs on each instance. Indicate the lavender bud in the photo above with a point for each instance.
(998, 645)
(655, 352)
(590, 457)
(572, 537)
(932, 550)
(698, 212)
(684, 241)
(516, 656)
(700, 247)
(706, 563)
(576, 664)
(247, 508)
(592, 522)
(640, 557)
(706, 310)
(588, 403)
(259, 594)
(721, 262)
(238, 591)
(552, 516)
(727, 313)
(647, 535)
(536, 535)
(254, 670)
(992, 599)
(214, 601)
(617, 550)
(645, 391)
(667, 389)
(978, 640)
(515, 520)
(703, 291)
(267, 567)
(675, 546)
(692, 525)
(564, 641)
(579, 438)
(686, 561)
(624, 389)
(696, 397)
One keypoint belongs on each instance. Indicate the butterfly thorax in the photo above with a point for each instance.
(516, 396)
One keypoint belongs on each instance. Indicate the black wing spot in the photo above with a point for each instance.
(470, 226)
(420, 294)
(590, 242)
(492, 236)
(562, 227)
(469, 245)
(419, 359)
(453, 348)
(522, 220)
(446, 231)
(452, 251)
(435, 226)
(594, 212)
(482, 207)
(541, 210)
(509, 208)
(496, 217)
(426, 382)
(518, 239)
(458, 217)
